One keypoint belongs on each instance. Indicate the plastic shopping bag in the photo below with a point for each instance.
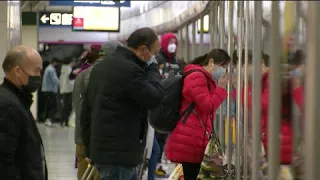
(177, 173)
(212, 163)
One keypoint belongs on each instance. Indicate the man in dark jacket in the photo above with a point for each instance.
(21, 149)
(121, 90)
(79, 91)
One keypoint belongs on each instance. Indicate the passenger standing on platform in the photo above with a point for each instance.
(66, 89)
(89, 60)
(50, 85)
(120, 92)
(167, 55)
(187, 142)
(21, 150)
(80, 88)
(168, 63)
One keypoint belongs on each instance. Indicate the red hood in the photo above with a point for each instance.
(194, 66)
(165, 39)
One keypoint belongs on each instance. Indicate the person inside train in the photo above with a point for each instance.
(121, 90)
(167, 56)
(296, 60)
(187, 142)
(79, 90)
(50, 88)
(298, 72)
(286, 111)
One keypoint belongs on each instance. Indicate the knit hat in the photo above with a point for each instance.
(110, 47)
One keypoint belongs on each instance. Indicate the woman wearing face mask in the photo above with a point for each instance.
(167, 55)
(187, 142)
(167, 63)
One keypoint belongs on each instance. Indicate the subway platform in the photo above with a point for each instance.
(60, 152)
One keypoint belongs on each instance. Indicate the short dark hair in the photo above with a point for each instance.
(13, 58)
(54, 60)
(264, 57)
(297, 58)
(143, 36)
(220, 56)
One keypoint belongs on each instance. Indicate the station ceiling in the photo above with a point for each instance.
(37, 6)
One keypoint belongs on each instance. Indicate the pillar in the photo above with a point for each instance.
(10, 25)
(10, 33)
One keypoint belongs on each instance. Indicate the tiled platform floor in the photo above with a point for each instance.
(60, 152)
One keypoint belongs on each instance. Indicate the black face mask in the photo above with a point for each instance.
(33, 84)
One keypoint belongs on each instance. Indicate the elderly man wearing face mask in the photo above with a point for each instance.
(21, 151)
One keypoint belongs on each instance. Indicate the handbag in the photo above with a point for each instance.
(212, 166)
(177, 173)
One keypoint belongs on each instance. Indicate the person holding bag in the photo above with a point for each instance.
(187, 142)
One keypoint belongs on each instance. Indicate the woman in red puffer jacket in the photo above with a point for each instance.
(187, 142)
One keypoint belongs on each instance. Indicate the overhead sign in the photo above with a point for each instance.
(55, 19)
(124, 3)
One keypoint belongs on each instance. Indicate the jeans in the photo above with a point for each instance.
(116, 172)
(152, 163)
(161, 138)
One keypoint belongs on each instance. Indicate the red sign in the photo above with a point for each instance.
(77, 22)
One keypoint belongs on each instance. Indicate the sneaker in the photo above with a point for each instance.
(48, 123)
(160, 172)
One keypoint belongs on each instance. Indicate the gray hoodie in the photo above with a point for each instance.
(80, 87)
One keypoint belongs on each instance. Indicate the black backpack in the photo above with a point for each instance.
(166, 116)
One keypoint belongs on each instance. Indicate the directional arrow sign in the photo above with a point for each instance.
(44, 19)
(56, 19)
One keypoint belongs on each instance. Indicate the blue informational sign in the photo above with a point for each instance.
(56, 19)
(124, 3)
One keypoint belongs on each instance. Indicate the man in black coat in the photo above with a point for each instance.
(21, 150)
(121, 90)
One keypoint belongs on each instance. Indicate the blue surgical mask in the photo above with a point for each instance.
(218, 73)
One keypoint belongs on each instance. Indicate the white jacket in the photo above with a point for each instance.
(66, 85)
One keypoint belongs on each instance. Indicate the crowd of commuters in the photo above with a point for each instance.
(111, 92)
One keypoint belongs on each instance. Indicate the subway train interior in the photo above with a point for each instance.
(266, 129)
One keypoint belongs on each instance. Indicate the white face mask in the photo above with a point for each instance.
(172, 48)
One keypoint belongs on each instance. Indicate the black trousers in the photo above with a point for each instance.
(50, 105)
(190, 170)
(67, 108)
